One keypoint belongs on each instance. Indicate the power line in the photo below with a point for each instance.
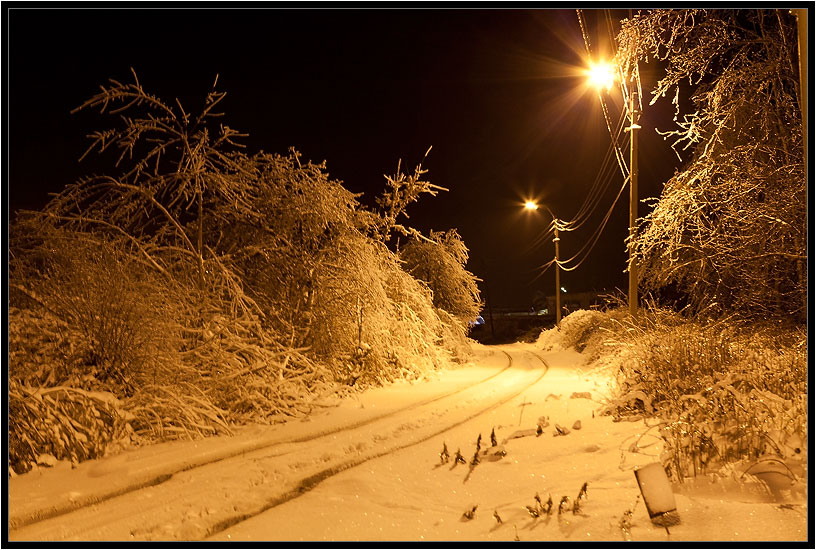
(597, 235)
(603, 179)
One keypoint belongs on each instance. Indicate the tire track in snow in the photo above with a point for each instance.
(312, 481)
(58, 509)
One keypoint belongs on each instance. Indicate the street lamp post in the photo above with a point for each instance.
(556, 239)
(633, 199)
(601, 76)
(530, 205)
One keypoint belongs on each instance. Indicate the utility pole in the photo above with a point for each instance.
(802, 23)
(634, 115)
(531, 205)
(556, 239)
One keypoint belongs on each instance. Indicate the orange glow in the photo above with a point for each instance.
(530, 205)
(601, 75)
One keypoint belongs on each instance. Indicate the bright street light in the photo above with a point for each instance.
(530, 205)
(601, 75)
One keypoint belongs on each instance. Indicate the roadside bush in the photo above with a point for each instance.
(724, 392)
(440, 263)
(580, 329)
(372, 321)
(204, 287)
(103, 321)
(67, 423)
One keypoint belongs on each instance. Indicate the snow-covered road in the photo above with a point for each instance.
(369, 469)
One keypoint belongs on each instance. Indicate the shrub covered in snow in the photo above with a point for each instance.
(579, 329)
(723, 391)
(440, 263)
(62, 422)
(202, 286)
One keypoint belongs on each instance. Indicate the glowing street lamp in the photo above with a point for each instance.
(530, 205)
(601, 76)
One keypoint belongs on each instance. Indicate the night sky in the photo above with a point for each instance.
(498, 93)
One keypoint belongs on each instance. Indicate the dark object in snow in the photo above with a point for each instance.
(538, 501)
(560, 430)
(577, 425)
(516, 530)
(469, 514)
(458, 458)
(475, 460)
(656, 490)
(532, 511)
(561, 507)
(493, 441)
(539, 430)
(520, 433)
(492, 454)
(478, 443)
(444, 456)
(497, 516)
(581, 395)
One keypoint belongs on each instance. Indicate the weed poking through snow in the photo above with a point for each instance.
(561, 507)
(625, 522)
(583, 494)
(444, 456)
(458, 458)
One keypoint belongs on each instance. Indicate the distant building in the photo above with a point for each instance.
(573, 301)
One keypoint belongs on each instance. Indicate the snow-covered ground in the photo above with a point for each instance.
(370, 469)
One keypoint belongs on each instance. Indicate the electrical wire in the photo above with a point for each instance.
(539, 240)
(594, 239)
(603, 179)
(599, 186)
(543, 269)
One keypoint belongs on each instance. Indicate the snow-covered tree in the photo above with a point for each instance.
(204, 285)
(440, 262)
(174, 168)
(729, 229)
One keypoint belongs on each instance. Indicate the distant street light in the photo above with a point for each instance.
(530, 205)
(601, 76)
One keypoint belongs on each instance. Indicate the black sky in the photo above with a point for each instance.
(489, 89)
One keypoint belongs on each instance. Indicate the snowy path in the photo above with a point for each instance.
(258, 478)
(370, 470)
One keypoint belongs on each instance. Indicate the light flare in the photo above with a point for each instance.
(601, 75)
